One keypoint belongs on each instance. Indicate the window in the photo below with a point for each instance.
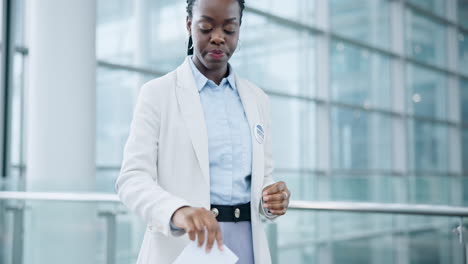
(428, 147)
(361, 140)
(427, 92)
(425, 39)
(275, 57)
(359, 77)
(434, 6)
(366, 21)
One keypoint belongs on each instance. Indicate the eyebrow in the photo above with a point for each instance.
(226, 20)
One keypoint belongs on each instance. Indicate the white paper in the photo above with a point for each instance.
(194, 254)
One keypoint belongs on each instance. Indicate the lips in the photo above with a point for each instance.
(216, 54)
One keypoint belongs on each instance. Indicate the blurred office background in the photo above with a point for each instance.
(369, 104)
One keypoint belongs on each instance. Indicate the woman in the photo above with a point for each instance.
(198, 158)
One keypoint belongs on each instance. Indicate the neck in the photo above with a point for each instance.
(216, 75)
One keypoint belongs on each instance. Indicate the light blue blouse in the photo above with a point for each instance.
(229, 139)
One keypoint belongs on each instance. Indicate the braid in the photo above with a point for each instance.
(189, 9)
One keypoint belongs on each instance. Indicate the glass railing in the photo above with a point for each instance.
(67, 228)
(96, 228)
(339, 232)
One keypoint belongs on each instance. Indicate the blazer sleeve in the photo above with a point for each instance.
(269, 165)
(137, 184)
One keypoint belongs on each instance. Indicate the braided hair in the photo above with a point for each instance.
(190, 4)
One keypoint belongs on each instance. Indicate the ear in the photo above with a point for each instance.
(188, 24)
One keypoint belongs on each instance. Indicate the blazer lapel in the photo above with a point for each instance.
(249, 102)
(192, 112)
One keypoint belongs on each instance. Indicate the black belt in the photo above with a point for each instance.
(231, 213)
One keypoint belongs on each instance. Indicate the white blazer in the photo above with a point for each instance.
(165, 164)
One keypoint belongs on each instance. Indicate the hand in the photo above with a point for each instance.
(276, 198)
(195, 220)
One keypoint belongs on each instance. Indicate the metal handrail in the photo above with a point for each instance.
(383, 208)
(59, 196)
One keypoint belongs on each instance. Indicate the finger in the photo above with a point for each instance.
(200, 229)
(280, 186)
(275, 197)
(275, 206)
(278, 212)
(212, 228)
(219, 239)
(270, 189)
(191, 230)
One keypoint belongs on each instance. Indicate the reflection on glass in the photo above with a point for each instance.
(18, 23)
(463, 13)
(464, 181)
(17, 133)
(464, 100)
(427, 92)
(359, 76)
(428, 147)
(430, 189)
(143, 33)
(293, 129)
(366, 21)
(465, 153)
(425, 39)
(434, 6)
(431, 247)
(299, 10)
(116, 94)
(275, 57)
(463, 53)
(71, 228)
(352, 188)
(361, 140)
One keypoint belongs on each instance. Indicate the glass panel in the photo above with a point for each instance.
(325, 237)
(361, 140)
(427, 92)
(465, 152)
(463, 53)
(142, 33)
(425, 39)
(432, 247)
(299, 10)
(428, 151)
(17, 154)
(117, 91)
(85, 226)
(431, 189)
(464, 100)
(269, 58)
(18, 24)
(359, 76)
(293, 125)
(465, 181)
(463, 12)
(106, 177)
(434, 6)
(352, 188)
(367, 20)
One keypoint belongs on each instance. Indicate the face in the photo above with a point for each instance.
(214, 28)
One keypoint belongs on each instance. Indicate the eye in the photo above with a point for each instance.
(205, 27)
(230, 29)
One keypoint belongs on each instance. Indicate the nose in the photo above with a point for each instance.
(217, 38)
